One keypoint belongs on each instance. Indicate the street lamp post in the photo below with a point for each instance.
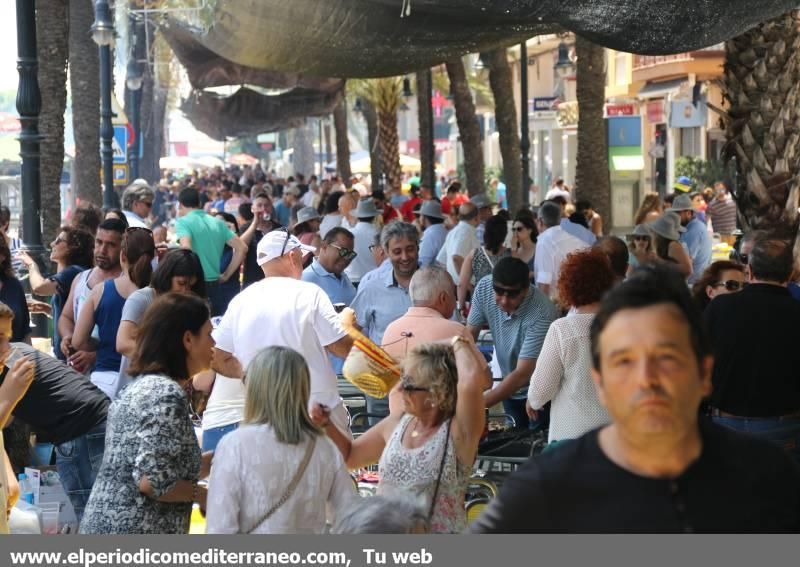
(103, 36)
(524, 139)
(134, 82)
(29, 104)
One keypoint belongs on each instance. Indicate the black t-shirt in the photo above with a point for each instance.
(252, 271)
(60, 402)
(754, 340)
(738, 485)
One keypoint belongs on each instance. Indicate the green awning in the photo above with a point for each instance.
(625, 158)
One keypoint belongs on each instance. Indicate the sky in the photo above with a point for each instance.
(8, 45)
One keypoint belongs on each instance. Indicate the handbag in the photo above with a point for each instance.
(439, 477)
(292, 485)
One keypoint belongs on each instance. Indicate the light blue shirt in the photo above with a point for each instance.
(500, 195)
(338, 289)
(519, 335)
(432, 241)
(380, 301)
(282, 213)
(386, 266)
(698, 242)
(578, 231)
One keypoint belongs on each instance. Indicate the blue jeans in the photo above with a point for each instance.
(212, 436)
(516, 409)
(782, 431)
(78, 462)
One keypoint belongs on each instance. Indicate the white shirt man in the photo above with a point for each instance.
(460, 241)
(282, 310)
(364, 235)
(552, 247)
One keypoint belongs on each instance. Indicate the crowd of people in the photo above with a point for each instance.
(213, 306)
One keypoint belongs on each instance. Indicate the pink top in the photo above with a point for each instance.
(418, 326)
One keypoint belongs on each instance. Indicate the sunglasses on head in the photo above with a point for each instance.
(504, 291)
(345, 252)
(135, 228)
(730, 285)
(407, 387)
(286, 241)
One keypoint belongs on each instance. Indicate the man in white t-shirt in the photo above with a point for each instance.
(460, 241)
(552, 247)
(283, 310)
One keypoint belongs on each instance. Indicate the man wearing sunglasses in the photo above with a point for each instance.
(518, 316)
(753, 338)
(328, 269)
(137, 203)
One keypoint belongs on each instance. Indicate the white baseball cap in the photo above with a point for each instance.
(277, 243)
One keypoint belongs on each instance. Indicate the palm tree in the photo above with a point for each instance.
(762, 85)
(592, 180)
(424, 119)
(506, 118)
(375, 159)
(468, 128)
(385, 95)
(342, 141)
(52, 33)
(84, 73)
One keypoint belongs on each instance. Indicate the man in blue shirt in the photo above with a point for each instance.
(327, 270)
(696, 239)
(435, 231)
(283, 208)
(384, 298)
(519, 316)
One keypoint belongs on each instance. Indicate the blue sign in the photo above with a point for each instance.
(120, 144)
(544, 103)
(684, 114)
(624, 131)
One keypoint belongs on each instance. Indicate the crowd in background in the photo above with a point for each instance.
(217, 302)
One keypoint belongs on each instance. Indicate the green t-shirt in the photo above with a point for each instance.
(209, 236)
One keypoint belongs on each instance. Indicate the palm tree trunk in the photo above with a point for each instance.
(425, 119)
(506, 118)
(326, 130)
(468, 128)
(390, 149)
(762, 84)
(375, 156)
(52, 22)
(303, 144)
(342, 142)
(84, 73)
(592, 181)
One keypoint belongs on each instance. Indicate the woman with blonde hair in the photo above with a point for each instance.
(427, 444)
(650, 209)
(276, 473)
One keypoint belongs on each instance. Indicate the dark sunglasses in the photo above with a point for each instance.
(148, 203)
(730, 285)
(406, 387)
(345, 252)
(503, 291)
(285, 242)
(640, 237)
(518, 229)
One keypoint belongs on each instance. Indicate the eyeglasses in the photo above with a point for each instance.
(641, 237)
(148, 203)
(345, 252)
(503, 291)
(58, 241)
(730, 285)
(406, 387)
(518, 229)
(285, 242)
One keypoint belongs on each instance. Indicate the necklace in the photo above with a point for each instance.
(414, 432)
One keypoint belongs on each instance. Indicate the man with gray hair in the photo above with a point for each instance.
(552, 247)
(433, 299)
(396, 513)
(137, 202)
(384, 298)
(460, 241)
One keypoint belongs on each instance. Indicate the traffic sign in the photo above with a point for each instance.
(120, 174)
(120, 144)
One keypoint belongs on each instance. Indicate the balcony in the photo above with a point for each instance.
(705, 63)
